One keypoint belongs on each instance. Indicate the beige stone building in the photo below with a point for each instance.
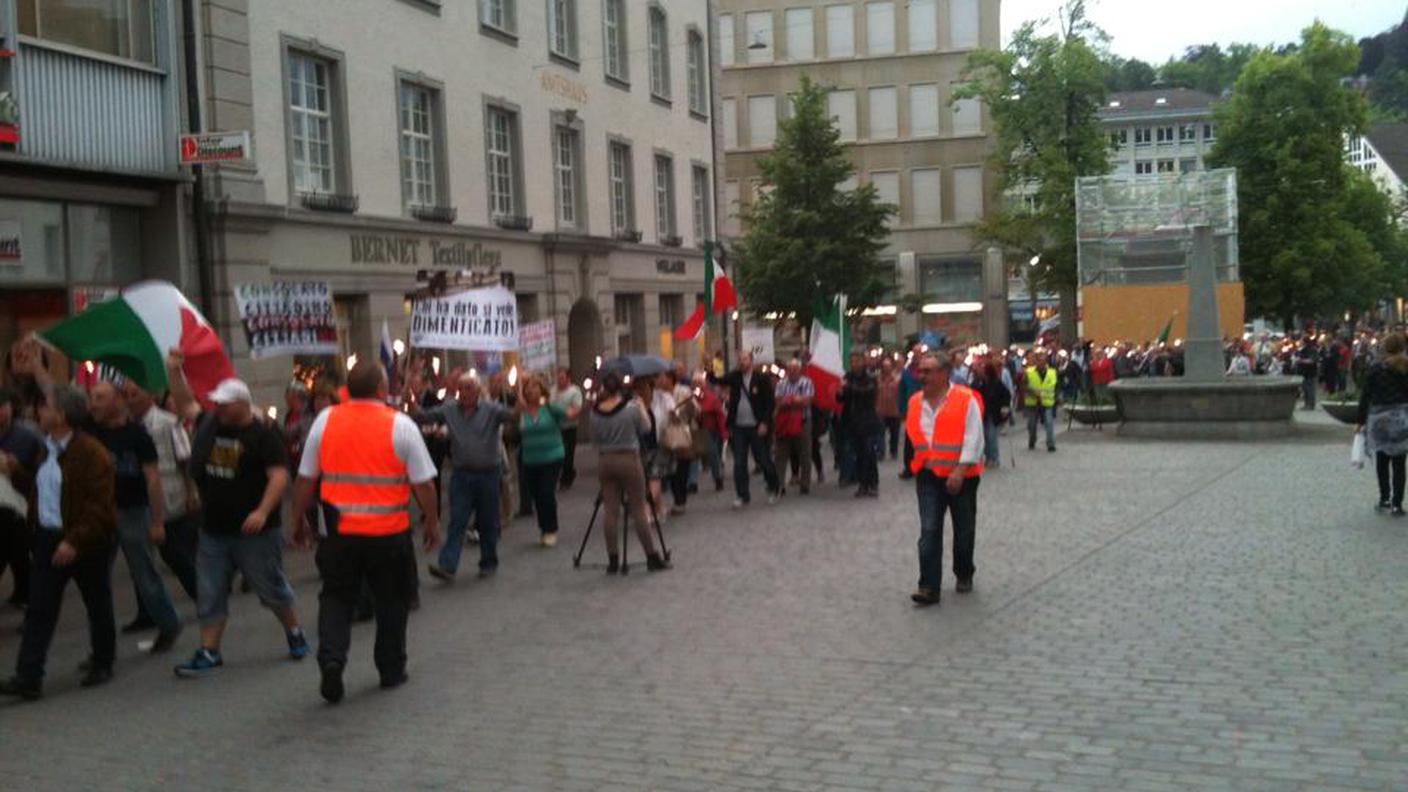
(891, 67)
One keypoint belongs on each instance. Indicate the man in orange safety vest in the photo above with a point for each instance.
(945, 424)
(365, 460)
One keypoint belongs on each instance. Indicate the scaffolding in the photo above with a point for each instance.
(1138, 229)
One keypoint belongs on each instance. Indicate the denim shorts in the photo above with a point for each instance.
(259, 557)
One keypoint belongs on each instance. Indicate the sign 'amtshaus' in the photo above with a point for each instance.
(133, 331)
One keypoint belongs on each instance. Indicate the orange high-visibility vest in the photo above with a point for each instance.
(363, 479)
(938, 448)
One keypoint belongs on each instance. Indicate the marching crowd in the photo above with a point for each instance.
(86, 473)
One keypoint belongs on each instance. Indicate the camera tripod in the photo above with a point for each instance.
(625, 534)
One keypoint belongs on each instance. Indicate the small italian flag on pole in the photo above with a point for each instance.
(133, 332)
(719, 296)
(830, 344)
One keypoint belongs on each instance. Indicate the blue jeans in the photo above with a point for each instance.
(745, 441)
(991, 452)
(472, 494)
(1047, 417)
(133, 527)
(934, 501)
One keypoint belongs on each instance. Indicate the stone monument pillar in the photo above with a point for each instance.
(1202, 349)
(996, 317)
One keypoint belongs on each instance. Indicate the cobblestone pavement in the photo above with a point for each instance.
(1147, 616)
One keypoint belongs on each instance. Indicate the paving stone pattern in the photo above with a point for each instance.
(1147, 616)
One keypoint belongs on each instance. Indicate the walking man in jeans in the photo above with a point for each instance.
(750, 410)
(1040, 400)
(794, 431)
(173, 451)
(945, 424)
(473, 423)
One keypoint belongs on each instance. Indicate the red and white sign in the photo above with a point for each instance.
(214, 147)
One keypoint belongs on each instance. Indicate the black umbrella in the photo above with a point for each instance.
(638, 365)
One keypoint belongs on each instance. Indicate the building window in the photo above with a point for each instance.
(963, 24)
(967, 194)
(950, 281)
(622, 203)
(887, 189)
(671, 310)
(501, 157)
(1209, 131)
(841, 105)
(884, 114)
(700, 192)
(1188, 165)
(659, 54)
(762, 121)
(122, 28)
(727, 45)
(801, 44)
(694, 72)
(567, 155)
(422, 163)
(501, 15)
(923, 25)
(923, 110)
(1188, 133)
(840, 32)
(310, 115)
(1143, 167)
(613, 13)
(1166, 166)
(926, 196)
(1119, 138)
(880, 28)
(760, 39)
(967, 118)
(1164, 135)
(562, 28)
(1143, 136)
(664, 197)
(630, 323)
(730, 113)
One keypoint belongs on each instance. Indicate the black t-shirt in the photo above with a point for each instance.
(230, 466)
(131, 448)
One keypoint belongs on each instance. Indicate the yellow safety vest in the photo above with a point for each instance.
(1039, 390)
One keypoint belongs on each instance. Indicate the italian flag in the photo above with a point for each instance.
(133, 331)
(719, 295)
(830, 345)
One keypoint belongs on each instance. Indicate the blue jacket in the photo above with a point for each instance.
(909, 385)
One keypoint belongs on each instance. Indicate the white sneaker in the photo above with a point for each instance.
(550, 540)
(739, 503)
(772, 499)
(472, 537)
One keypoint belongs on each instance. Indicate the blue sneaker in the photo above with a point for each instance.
(203, 663)
(297, 644)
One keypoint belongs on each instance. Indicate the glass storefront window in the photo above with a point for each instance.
(950, 281)
(105, 244)
(31, 243)
(123, 28)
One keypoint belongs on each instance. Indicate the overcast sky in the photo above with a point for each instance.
(1155, 32)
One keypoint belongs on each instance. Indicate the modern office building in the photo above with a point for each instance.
(1162, 130)
(91, 193)
(891, 68)
(566, 143)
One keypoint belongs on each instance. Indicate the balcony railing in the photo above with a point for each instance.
(90, 111)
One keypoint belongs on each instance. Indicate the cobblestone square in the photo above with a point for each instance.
(1147, 616)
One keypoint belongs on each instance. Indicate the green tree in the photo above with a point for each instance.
(1130, 75)
(1044, 93)
(1302, 234)
(1207, 68)
(807, 238)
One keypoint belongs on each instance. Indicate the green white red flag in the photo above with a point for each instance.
(719, 295)
(133, 332)
(830, 346)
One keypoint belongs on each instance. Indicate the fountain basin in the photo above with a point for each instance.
(1240, 408)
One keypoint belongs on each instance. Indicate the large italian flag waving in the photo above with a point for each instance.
(133, 332)
(830, 344)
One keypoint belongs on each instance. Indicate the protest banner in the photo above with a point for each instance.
(537, 346)
(484, 320)
(287, 318)
(758, 340)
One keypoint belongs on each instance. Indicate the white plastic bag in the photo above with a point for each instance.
(1357, 457)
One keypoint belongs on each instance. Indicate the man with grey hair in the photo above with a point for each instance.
(473, 425)
(76, 540)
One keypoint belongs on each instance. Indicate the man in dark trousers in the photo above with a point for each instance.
(861, 423)
(365, 459)
(750, 410)
(21, 450)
